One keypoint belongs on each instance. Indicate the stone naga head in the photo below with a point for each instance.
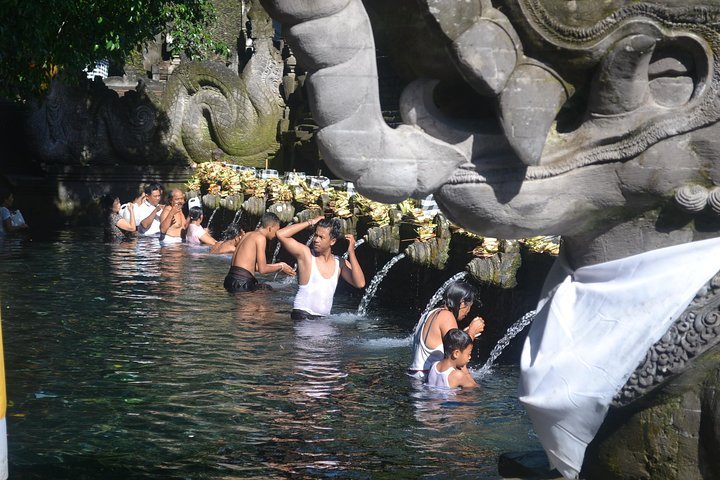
(591, 114)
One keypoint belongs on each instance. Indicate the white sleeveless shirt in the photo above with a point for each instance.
(316, 297)
(437, 378)
(423, 356)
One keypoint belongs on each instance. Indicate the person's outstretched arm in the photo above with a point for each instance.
(261, 264)
(207, 239)
(351, 271)
(128, 226)
(285, 236)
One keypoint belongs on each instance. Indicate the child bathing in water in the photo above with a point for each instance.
(196, 234)
(229, 239)
(428, 347)
(452, 370)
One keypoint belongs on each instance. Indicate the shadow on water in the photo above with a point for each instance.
(131, 361)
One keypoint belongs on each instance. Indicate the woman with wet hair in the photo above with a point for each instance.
(196, 234)
(229, 239)
(115, 226)
(458, 298)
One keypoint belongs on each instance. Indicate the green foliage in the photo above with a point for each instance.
(39, 36)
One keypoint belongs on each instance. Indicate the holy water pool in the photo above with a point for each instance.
(128, 362)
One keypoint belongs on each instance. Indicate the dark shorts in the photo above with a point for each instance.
(240, 280)
(303, 315)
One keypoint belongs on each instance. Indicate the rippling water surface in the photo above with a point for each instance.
(130, 361)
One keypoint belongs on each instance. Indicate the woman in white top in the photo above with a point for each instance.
(196, 234)
(427, 345)
(7, 225)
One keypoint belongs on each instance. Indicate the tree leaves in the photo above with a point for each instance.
(41, 36)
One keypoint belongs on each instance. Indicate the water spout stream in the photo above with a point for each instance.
(437, 296)
(372, 288)
(212, 215)
(514, 329)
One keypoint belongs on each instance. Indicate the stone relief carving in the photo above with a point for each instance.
(597, 122)
(692, 334)
(205, 109)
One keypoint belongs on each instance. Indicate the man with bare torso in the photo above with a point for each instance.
(250, 257)
(319, 270)
(172, 219)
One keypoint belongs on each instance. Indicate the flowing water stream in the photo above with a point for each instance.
(129, 361)
(375, 283)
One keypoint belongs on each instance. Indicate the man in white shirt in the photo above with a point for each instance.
(147, 213)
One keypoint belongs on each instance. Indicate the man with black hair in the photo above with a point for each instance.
(148, 209)
(318, 269)
(249, 257)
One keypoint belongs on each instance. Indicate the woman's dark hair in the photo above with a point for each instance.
(332, 224)
(455, 339)
(195, 213)
(4, 194)
(106, 202)
(457, 293)
(232, 231)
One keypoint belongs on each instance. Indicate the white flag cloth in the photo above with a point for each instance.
(594, 326)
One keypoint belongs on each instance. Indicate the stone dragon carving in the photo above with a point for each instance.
(597, 122)
(206, 110)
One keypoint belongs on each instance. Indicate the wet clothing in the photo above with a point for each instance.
(316, 297)
(4, 215)
(169, 240)
(303, 315)
(112, 231)
(194, 232)
(437, 378)
(424, 357)
(141, 213)
(239, 279)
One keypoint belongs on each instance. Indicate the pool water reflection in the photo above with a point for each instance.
(130, 361)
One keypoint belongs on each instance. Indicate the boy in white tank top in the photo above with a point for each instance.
(318, 269)
(451, 371)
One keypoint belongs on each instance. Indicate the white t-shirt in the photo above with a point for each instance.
(141, 213)
(4, 215)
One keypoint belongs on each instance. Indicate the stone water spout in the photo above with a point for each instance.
(594, 121)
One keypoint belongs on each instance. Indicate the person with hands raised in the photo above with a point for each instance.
(173, 222)
(250, 257)
(458, 299)
(318, 269)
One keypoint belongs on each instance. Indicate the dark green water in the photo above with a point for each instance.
(129, 361)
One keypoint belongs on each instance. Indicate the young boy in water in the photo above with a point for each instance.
(452, 370)
(249, 257)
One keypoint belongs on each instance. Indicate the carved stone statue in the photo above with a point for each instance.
(596, 121)
(205, 108)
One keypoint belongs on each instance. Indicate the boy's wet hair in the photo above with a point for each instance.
(455, 339)
(457, 293)
(232, 231)
(332, 224)
(195, 213)
(268, 219)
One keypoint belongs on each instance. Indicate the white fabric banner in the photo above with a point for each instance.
(593, 327)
